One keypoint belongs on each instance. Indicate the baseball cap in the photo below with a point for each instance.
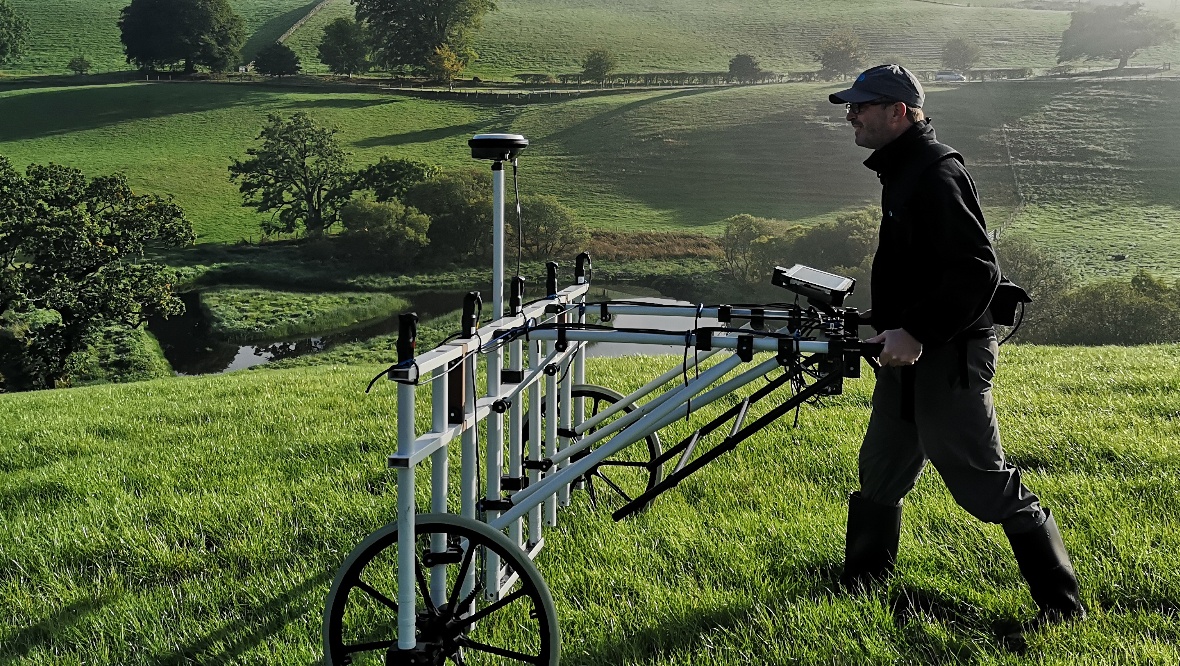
(882, 82)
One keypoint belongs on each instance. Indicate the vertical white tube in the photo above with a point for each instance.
(438, 483)
(406, 587)
(497, 239)
(515, 439)
(469, 483)
(551, 421)
(535, 438)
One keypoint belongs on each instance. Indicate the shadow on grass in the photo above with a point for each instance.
(227, 644)
(268, 33)
(911, 608)
(19, 643)
(65, 111)
(423, 136)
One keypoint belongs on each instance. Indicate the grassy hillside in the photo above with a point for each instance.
(201, 520)
(62, 29)
(1086, 165)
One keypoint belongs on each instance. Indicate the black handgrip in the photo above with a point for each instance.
(583, 269)
(472, 308)
(516, 295)
(551, 278)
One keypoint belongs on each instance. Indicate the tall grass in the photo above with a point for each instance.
(247, 315)
(200, 519)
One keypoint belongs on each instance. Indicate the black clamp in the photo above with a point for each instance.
(501, 405)
(724, 314)
(757, 319)
(551, 369)
(563, 342)
(472, 308)
(745, 348)
(583, 270)
(568, 433)
(604, 313)
(704, 340)
(542, 465)
(489, 504)
(511, 376)
(516, 296)
(407, 337)
(514, 483)
(788, 351)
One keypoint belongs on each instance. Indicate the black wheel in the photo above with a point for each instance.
(462, 629)
(621, 478)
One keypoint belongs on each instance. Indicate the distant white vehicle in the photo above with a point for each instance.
(948, 75)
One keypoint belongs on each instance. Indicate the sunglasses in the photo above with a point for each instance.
(856, 108)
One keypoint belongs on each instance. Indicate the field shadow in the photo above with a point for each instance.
(422, 136)
(19, 643)
(63, 111)
(227, 644)
(269, 32)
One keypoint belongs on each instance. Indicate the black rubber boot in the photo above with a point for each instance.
(1044, 563)
(870, 548)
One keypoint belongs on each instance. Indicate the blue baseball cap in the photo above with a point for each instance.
(892, 82)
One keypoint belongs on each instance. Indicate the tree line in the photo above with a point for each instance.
(1066, 310)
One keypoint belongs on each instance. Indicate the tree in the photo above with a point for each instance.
(407, 32)
(459, 205)
(960, 54)
(72, 261)
(14, 32)
(1113, 32)
(300, 170)
(745, 69)
(549, 229)
(161, 33)
(79, 65)
(445, 65)
(345, 48)
(389, 230)
(840, 53)
(277, 60)
(598, 65)
(742, 244)
(391, 178)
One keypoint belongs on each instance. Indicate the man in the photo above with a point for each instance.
(934, 275)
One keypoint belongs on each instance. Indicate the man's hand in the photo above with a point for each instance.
(901, 348)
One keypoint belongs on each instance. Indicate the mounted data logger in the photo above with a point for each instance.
(817, 286)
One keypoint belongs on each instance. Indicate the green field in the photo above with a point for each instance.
(1086, 165)
(200, 520)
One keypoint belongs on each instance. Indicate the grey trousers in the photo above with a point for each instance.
(953, 425)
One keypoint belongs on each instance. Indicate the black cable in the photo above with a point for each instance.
(1019, 321)
(519, 216)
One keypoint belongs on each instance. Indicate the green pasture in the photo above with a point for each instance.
(244, 315)
(62, 29)
(1086, 165)
(200, 520)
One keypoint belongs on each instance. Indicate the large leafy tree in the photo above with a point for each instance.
(459, 205)
(345, 47)
(960, 54)
(390, 178)
(72, 261)
(277, 60)
(407, 33)
(1113, 32)
(14, 31)
(598, 65)
(300, 171)
(840, 53)
(745, 68)
(161, 33)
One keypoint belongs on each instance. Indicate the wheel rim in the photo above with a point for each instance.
(624, 476)
(464, 628)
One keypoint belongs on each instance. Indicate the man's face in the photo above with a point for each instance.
(875, 123)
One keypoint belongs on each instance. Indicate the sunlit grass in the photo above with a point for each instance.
(201, 519)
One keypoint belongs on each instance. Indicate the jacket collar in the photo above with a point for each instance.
(893, 156)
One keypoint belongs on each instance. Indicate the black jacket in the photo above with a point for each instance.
(935, 271)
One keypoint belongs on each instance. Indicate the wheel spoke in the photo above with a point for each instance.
(462, 575)
(423, 586)
(614, 485)
(500, 652)
(368, 647)
(372, 592)
(475, 617)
